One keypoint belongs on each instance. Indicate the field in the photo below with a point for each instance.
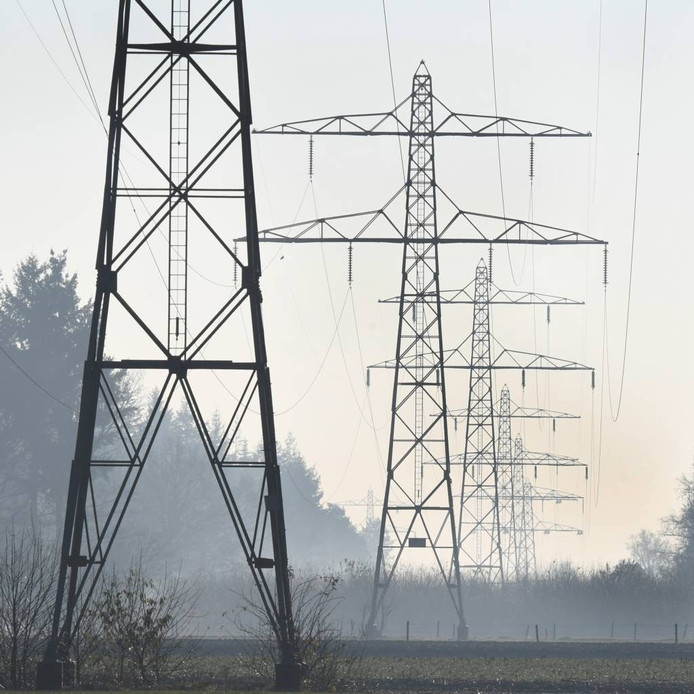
(525, 675)
(473, 667)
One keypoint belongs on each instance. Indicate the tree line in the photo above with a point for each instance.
(177, 523)
(44, 328)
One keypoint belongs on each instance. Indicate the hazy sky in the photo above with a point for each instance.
(311, 58)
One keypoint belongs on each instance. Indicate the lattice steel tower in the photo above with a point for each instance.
(418, 510)
(524, 517)
(488, 524)
(478, 533)
(511, 479)
(184, 108)
(517, 494)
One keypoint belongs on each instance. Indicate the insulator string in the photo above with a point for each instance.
(532, 160)
(350, 264)
(310, 158)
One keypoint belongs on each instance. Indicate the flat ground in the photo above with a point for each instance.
(502, 666)
(475, 667)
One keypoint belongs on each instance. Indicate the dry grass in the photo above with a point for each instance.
(464, 675)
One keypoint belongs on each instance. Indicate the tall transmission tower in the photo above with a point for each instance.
(183, 105)
(487, 494)
(418, 512)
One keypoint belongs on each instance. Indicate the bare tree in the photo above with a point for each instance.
(27, 575)
(326, 657)
(139, 624)
(652, 552)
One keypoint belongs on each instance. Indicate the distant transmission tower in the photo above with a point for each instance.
(191, 193)
(418, 511)
(524, 513)
(517, 494)
(487, 517)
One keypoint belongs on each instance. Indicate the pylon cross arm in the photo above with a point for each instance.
(385, 225)
(447, 124)
(466, 295)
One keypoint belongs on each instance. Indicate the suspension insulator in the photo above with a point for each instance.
(592, 380)
(491, 261)
(604, 266)
(523, 378)
(310, 157)
(586, 473)
(350, 260)
(532, 159)
(455, 424)
(368, 378)
(535, 471)
(236, 264)
(554, 426)
(548, 316)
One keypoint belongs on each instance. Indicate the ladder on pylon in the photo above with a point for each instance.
(178, 171)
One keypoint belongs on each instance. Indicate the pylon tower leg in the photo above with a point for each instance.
(183, 340)
(418, 512)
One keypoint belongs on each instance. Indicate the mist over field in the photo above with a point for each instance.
(406, 409)
(177, 523)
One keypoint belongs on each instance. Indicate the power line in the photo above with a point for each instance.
(79, 52)
(392, 85)
(615, 414)
(78, 62)
(322, 363)
(53, 60)
(498, 140)
(30, 378)
(597, 102)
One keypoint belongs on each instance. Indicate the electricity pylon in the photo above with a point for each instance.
(418, 511)
(368, 502)
(517, 494)
(487, 470)
(486, 515)
(524, 554)
(189, 192)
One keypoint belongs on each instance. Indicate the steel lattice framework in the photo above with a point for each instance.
(479, 523)
(517, 494)
(524, 512)
(418, 512)
(190, 190)
(511, 479)
(491, 515)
